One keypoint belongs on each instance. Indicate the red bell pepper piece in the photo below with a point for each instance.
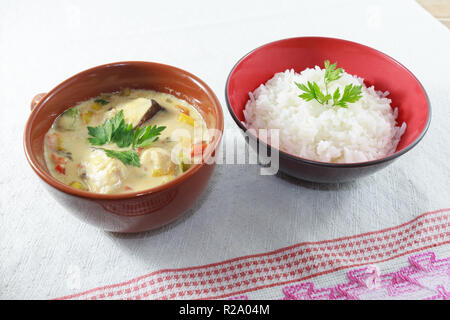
(198, 148)
(60, 169)
(58, 160)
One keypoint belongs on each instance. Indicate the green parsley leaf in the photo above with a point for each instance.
(101, 134)
(351, 94)
(144, 136)
(309, 93)
(123, 136)
(101, 101)
(117, 131)
(117, 121)
(321, 97)
(336, 96)
(312, 91)
(331, 73)
(104, 133)
(130, 157)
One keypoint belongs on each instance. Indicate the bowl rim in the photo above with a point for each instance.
(53, 182)
(321, 163)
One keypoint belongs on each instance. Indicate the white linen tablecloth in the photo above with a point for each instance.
(47, 253)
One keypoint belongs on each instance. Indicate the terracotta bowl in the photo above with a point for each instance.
(137, 211)
(378, 69)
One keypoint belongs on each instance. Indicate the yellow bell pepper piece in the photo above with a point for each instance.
(158, 172)
(59, 144)
(86, 116)
(77, 185)
(186, 119)
(96, 106)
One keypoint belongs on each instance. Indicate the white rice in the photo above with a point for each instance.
(364, 131)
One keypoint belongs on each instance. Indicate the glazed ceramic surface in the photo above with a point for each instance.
(137, 211)
(377, 69)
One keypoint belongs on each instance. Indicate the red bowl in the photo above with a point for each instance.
(134, 211)
(377, 68)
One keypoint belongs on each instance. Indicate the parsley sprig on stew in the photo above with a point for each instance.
(130, 157)
(312, 91)
(115, 130)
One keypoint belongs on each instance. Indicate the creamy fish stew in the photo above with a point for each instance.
(126, 141)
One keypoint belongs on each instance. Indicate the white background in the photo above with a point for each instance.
(47, 253)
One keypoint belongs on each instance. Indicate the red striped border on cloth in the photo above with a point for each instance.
(286, 265)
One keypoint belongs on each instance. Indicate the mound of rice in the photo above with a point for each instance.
(364, 131)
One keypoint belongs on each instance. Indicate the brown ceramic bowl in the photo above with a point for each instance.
(128, 212)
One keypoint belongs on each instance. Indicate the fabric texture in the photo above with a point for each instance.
(305, 261)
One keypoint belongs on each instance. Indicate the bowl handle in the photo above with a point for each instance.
(36, 99)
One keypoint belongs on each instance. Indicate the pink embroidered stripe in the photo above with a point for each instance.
(426, 278)
(290, 264)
